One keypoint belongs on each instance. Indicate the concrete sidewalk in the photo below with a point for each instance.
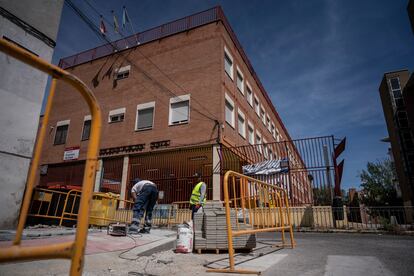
(152, 254)
(147, 254)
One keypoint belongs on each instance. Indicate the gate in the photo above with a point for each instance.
(173, 171)
(112, 175)
(306, 167)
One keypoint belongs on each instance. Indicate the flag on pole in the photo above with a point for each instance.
(102, 27)
(116, 25)
(125, 17)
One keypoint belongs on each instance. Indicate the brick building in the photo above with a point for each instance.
(170, 102)
(396, 91)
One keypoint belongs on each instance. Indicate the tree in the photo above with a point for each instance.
(377, 183)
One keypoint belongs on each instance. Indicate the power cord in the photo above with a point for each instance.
(129, 249)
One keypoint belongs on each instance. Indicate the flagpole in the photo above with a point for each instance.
(127, 18)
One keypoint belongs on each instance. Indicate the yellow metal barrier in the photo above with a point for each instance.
(179, 212)
(71, 250)
(253, 206)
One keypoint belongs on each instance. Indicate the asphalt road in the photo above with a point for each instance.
(345, 254)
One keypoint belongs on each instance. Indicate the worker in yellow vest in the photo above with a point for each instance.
(198, 195)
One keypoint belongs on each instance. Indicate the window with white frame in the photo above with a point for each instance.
(396, 93)
(116, 115)
(269, 125)
(259, 142)
(265, 147)
(257, 105)
(263, 115)
(179, 110)
(229, 110)
(228, 62)
(240, 80)
(145, 116)
(122, 73)
(273, 130)
(249, 94)
(86, 129)
(250, 133)
(241, 123)
(61, 133)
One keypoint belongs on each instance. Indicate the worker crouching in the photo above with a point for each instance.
(145, 195)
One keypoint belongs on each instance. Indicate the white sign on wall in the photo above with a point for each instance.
(71, 153)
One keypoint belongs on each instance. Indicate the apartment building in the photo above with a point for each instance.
(171, 98)
(397, 96)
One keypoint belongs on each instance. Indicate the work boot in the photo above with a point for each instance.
(133, 229)
(145, 230)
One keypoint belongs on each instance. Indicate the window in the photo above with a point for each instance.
(266, 150)
(86, 130)
(249, 94)
(258, 142)
(402, 119)
(407, 140)
(257, 105)
(250, 131)
(228, 63)
(229, 111)
(240, 81)
(269, 126)
(396, 92)
(117, 115)
(263, 115)
(145, 116)
(122, 73)
(61, 132)
(179, 110)
(273, 130)
(242, 124)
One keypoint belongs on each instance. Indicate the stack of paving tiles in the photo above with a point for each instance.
(210, 229)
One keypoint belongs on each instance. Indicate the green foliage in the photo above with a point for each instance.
(377, 184)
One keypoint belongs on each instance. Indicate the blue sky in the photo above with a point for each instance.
(320, 61)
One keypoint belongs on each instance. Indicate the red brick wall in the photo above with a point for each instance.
(194, 60)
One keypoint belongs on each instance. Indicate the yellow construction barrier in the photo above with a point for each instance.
(256, 207)
(73, 250)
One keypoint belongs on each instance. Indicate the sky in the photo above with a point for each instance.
(321, 61)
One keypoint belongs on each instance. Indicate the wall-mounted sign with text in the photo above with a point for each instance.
(71, 153)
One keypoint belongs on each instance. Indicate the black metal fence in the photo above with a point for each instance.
(309, 173)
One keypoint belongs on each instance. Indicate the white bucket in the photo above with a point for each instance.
(184, 238)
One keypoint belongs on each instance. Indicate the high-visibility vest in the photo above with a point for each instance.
(195, 194)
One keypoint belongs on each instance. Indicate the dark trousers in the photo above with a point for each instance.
(145, 202)
(194, 210)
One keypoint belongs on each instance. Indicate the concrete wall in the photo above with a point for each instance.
(21, 93)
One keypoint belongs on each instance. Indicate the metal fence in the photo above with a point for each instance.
(111, 175)
(308, 173)
(173, 171)
(61, 208)
(165, 30)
